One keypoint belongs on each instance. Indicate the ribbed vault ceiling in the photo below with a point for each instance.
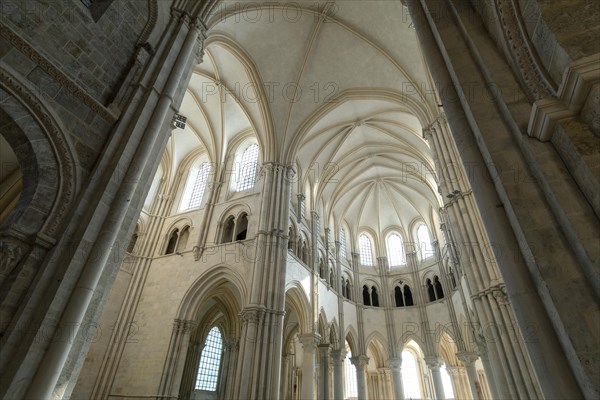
(338, 88)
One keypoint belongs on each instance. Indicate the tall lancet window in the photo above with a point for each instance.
(342, 243)
(424, 242)
(351, 387)
(395, 248)
(366, 250)
(195, 186)
(247, 168)
(210, 361)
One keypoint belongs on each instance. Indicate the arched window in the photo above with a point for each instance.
(321, 268)
(342, 243)
(195, 186)
(424, 241)
(304, 252)
(351, 388)
(331, 277)
(452, 277)
(403, 295)
(411, 380)
(366, 296)
(241, 227)
(430, 290)
(439, 292)
(374, 297)
(228, 229)
(210, 361)
(183, 239)
(395, 248)
(348, 291)
(408, 298)
(447, 383)
(171, 245)
(291, 239)
(247, 168)
(366, 251)
(398, 296)
(344, 294)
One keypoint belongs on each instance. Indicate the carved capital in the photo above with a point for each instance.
(360, 362)
(184, 325)
(252, 315)
(310, 341)
(467, 357)
(394, 363)
(338, 356)
(434, 363)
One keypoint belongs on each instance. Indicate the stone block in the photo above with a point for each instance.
(43, 82)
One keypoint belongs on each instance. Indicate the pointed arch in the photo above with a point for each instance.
(218, 279)
(296, 297)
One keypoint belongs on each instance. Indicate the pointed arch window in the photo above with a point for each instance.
(374, 297)
(342, 242)
(241, 227)
(172, 243)
(424, 241)
(183, 239)
(411, 376)
(195, 186)
(403, 295)
(439, 292)
(228, 230)
(395, 248)
(210, 361)
(366, 296)
(398, 296)
(351, 387)
(346, 288)
(366, 250)
(248, 166)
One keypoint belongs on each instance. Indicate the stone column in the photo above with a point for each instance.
(261, 347)
(192, 360)
(309, 344)
(395, 365)
(361, 362)
(338, 357)
(434, 365)
(285, 376)
(175, 359)
(324, 371)
(55, 364)
(227, 377)
(468, 359)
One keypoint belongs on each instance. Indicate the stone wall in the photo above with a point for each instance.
(95, 55)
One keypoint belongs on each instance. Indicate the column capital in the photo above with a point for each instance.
(467, 357)
(184, 325)
(394, 362)
(230, 343)
(338, 355)
(252, 314)
(310, 341)
(434, 363)
(323, 349)
(360, 362)
(275, 166)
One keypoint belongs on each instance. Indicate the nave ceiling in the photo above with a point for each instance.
(339, 89)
